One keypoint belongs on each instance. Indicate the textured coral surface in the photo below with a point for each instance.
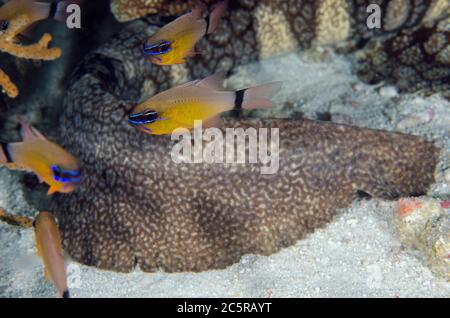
(37, 51)
(410, 49)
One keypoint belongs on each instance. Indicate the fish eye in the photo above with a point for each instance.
(65, 175)
(4, 25)
(157, 48)
(146, 117)
(164, 47)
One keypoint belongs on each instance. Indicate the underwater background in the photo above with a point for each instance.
(333, 69)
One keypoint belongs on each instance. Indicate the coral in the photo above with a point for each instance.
(16, 220)
(127, 10)
(415, 59)
(424, 224)
(410, 50)
(37, 51)
(8, 86)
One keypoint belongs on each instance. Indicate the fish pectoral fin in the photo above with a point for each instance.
(180, 61)
(52, 190)
(192, 54)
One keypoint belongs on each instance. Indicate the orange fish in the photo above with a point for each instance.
(176, 40)
(51, 163)
(181, 106)
(48, 245)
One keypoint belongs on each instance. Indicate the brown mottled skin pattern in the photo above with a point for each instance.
(136, 207)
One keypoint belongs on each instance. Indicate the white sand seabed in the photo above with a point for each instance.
(357, 255)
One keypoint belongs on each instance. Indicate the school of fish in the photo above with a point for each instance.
(161, 114)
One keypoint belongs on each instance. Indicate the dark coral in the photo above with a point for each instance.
(404, 51)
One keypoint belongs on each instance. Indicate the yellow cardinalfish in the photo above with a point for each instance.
(34, 10)
(203, 100)
(176, 40)
(51, 163)
(48, 245)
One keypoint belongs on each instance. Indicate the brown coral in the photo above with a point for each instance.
(17, 220)
(8, 86)
(37, 51)
(127, 10)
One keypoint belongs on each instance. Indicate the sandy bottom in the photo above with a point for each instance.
(357, 255)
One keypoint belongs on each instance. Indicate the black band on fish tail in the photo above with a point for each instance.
(239, 99)
(53, 9)
(208, 22)
(66, 294)
(6, 152)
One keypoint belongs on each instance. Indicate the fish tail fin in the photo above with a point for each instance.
(213, 19)
(256, 97)
(5, 155)
(58, 10)
(65, 294)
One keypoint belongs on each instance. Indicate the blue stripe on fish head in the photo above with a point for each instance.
(143, 118)
(158, 48)
(65, 175)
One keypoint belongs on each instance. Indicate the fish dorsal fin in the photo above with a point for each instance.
(38, 134)
(25, 130)
(29, 132)
(180, 22)
(191, 83)
(214, 82)
(197, 12)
